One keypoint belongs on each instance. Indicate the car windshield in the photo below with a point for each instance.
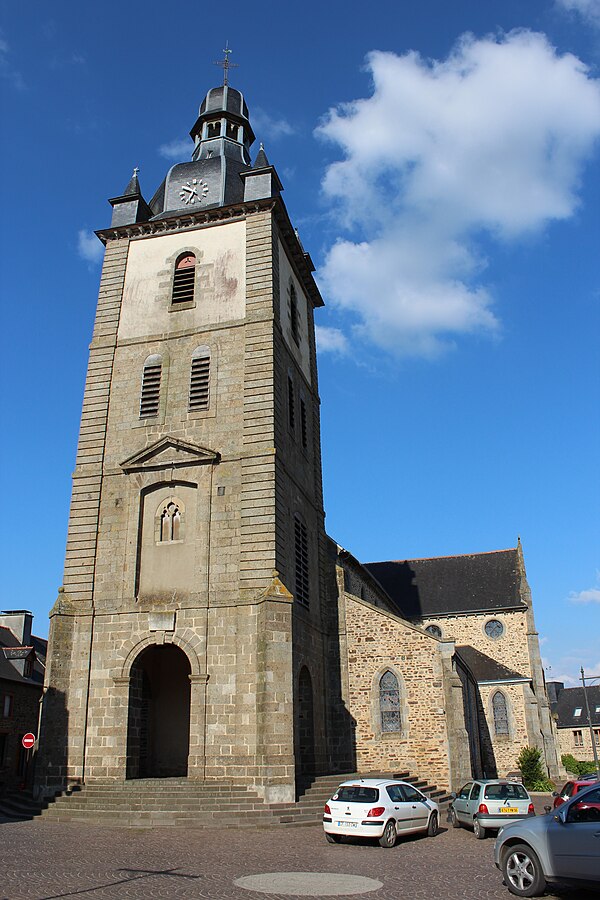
(356, 793)
(505, 792)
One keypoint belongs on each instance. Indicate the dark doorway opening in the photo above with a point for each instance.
(158, 728)
(306, 724)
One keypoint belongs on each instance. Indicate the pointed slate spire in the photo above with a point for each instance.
(130, 206)
(261, 180)
(134, 185)
(261, 160)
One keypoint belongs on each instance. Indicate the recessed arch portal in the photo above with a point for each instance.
(158, 727)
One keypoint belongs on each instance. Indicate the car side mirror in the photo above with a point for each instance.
(560, 817)
(555, 794)
(453, 794)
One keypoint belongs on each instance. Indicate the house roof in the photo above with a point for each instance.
(484, 668)
(477, 582)
(11, 649)
(572, 699)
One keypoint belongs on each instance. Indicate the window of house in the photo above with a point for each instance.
(597, 735)
(184, 278)
(494, 628)
(577, 712)
(28, 668)
(291, 407)
(200, 379)
(435, 630)
(303, 424)
(500, 713)
(170, 523)
(7, 706)
(301, 561)
(389, 702)
(294, 321)
(150, 393)
(578, 738)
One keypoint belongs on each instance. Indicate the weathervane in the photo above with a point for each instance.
(226, 65)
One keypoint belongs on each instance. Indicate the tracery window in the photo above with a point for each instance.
(435, 630)
(500, 711)
(184, 278)
(170, 523)
(389, 702)
(150, 392)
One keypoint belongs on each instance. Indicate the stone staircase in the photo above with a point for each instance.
(179, 802)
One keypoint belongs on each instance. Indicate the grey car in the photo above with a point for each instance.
(489, 803)
(562, 846)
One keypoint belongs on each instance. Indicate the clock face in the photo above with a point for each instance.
(193, 191)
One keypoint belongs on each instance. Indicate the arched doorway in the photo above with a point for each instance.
(306, 724)
(158, 728)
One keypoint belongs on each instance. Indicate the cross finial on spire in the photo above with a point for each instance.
(226, 65)
(136, 172)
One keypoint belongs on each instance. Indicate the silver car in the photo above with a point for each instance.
(562, 846)
(489, 803)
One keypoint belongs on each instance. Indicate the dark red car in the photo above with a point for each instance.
(571, 788)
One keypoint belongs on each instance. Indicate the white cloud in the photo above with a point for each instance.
(176, 149)
(589, 10)
(330, 340)
(588, 595)
(491, 141)
(267, 127)
(89, 247)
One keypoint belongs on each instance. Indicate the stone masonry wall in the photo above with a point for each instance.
(376, 641)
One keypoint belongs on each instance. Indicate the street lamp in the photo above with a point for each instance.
(589, 718)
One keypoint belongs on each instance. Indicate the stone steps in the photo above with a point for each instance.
(178, 803)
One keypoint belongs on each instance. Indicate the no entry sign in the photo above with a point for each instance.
(28, 740)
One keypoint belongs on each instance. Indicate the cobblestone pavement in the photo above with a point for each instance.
(46, 860)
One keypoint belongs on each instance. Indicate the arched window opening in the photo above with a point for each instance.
(500, 711)
(199, 396)
(301, 561)
(232, 131)
(184, 279)
(389, 702)
(294, 323)
(150, 393)
(170, 523)
(435, 630)
(213, 129)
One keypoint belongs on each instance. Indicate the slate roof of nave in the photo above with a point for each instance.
(484, 668)
(442, 586)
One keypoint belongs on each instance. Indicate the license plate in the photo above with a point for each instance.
(508, 809)
(347, 824)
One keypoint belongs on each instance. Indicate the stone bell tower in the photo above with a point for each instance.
(188, 636)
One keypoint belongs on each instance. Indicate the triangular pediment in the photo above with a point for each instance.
(170, 451)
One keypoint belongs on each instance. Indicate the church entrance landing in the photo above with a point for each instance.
(158, 729)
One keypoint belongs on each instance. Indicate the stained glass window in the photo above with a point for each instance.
(389, 702)
(500, 713)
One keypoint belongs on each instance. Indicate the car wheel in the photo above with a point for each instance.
(432, 825)
(479, 830)
(333, 838)
(522, 872)
(388, 838)
(454, 820)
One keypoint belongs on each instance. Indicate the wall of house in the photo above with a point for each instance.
(23, 718)
(578, 741)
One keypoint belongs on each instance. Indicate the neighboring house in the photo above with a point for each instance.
(570, 713)
(22, 665)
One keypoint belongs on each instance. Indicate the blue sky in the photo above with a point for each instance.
(441, 164)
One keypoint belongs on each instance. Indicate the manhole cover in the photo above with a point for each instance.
(309, 884)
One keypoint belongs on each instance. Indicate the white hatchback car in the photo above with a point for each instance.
(372, 807)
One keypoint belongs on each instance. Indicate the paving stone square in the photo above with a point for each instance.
(46, 861)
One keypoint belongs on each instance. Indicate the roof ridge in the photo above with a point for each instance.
(449, 556)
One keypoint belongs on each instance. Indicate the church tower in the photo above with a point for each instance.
(188, 636)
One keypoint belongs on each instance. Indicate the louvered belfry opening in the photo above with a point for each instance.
(150, 394)
(200, 379)
(184, 279)
(301, 551)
